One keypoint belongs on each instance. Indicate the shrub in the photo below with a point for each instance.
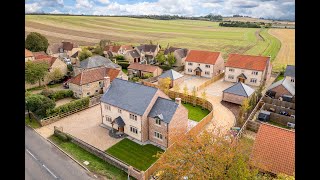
(39, 104)
(124, 64)
(119, 57)
(47, 92)
(77, 104)
(165, 67)
(135, 79)
(61, 94)
(147, 75)
(70, 67)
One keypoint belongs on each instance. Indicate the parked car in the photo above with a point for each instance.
(284, 113)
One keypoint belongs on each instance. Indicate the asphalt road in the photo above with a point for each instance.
(44, 161)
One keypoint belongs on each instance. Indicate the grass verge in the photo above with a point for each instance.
(138, 156)
(96, 165)
(279, 78)
(43, 87)
(125, 71)
(196, 113)
(34, 123)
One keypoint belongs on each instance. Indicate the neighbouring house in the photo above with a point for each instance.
(40, 54)
(237, 93)
(54, 63)
(179, 53)
(290, 74)
(148, 52)
(95, 61)
(132, 56)
(204, 63)
(248, 69)
(75, 58)
(112, 50)
(274, 150)
(280, 88)
(139, 70)
(143, 113)
(28, 55)
(176, 78)
(91, 81)
(63, 49)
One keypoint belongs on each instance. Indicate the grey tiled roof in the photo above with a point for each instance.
(96, 61)
(147, 47)
(119, 121)
(134, 53)
(130, 96)
(172, 74)
(182, 53)
(290, 71)
(240, 89)
(286, 84)
(166, 107)
(170, 50)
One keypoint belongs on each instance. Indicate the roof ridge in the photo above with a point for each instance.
(243, 88)
(231, 86)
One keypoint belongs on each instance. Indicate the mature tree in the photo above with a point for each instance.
(104, 42)
(84, 54)
(160, 57)
(194, 96)
(244, 108)
(204, 98)
(185, 93)
(253, 100)
(35, 71)
(171, 59)
(164, 84)
(36, 42)
(259, 91)
(55, 75)
(208, 156)
(98, 50)
(39, 104)
(284, 177)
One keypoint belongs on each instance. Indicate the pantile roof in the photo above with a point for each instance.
(258, 63)
(143, 67)
(274, 149)
(112, 48)
(199, 56)
(50, 60)
(40, 55)
(27, 53)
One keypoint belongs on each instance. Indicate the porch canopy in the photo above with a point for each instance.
(198, 69)
(242, 76)
(119, 121)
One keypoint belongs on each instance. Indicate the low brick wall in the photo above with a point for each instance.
(104, 156)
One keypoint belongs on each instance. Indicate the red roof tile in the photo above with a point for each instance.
(96, 74)
(112, 48)
(67, 46)
(28, 53)
(258, 63)
(127, 47)
(274, 149)
(143, 67)
(49, 59)
(205, 57)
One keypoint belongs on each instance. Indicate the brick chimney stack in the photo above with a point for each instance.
(178, 101)
(106, 83)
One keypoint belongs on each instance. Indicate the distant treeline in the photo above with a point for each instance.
(244, 24)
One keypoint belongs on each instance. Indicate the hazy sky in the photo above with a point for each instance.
(279, 9)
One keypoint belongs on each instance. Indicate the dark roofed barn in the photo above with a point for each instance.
(237, 93)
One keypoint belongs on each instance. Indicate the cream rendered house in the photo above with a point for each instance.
(204, 63)
(248, 69)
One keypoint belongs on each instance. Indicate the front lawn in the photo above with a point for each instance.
(125, 71)
(34, 123)
(138, 156)
(196, 113)
(96, 164)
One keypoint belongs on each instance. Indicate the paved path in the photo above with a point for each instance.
(44, 161)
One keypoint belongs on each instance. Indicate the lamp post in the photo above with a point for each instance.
(28, 111)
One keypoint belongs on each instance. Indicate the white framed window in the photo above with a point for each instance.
(292, 80)
(108, 119)
(207, 66)
(253, 80)
(134, 129)
(100, 82)
(158, 121)
(231, 70)
(157, 135)
(190, 63)
(97, 90)
(254, 72)
(119, 111)
(189, 70)
(230, 77)
(207, 72)
(107, 107)
(133, 117)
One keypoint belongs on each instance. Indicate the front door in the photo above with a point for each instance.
(198, 73)
(241, 80)
(120, 129)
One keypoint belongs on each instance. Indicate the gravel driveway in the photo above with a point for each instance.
(85, 126)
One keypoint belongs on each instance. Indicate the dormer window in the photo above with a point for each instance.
(158, 121)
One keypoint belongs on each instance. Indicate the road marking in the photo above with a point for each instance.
(49, 171)
(32, 154)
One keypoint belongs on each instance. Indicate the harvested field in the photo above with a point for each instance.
(192, 34)
(286, 54)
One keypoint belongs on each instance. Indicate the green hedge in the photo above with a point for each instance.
(57, 95)
(77, 104)
(165, 67)
(123, 64)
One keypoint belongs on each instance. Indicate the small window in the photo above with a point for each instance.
(158, 121)
(254, 73)
(108, 119)
(107, 107)
(207, 72)
(231, 70)
(134, 129)
(253, 80)
(207, 66)
(230, 77)
(133, 117)
(158, 135)
(189, 70)
(100, 82)
(119, 111)
(292, 80)
(190, 63)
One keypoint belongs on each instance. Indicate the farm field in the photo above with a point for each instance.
(286, 54)
(192, 34)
